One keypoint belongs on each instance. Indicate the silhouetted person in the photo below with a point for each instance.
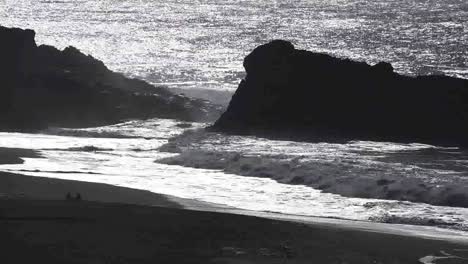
(287, 252)
(68, 196)
(78, 197)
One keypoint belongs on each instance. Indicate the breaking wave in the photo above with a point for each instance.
(353, 169)
(148, 129)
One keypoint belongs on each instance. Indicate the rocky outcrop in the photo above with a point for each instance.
(42, 86)
(304, 95)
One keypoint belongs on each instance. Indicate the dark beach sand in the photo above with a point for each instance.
(13, 156)
(15, 186)
(37, 225)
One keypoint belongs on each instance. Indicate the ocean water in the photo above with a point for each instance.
(200, 45)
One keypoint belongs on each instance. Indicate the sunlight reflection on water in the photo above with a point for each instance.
(202, 44)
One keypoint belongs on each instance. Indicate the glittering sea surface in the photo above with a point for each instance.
(201, 44)
(196, 45)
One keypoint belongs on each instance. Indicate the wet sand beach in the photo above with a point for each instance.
(121, 225)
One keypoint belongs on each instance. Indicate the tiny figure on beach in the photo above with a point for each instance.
(69, 197)
(287, 252)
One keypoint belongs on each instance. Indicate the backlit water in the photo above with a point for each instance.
(201, 44)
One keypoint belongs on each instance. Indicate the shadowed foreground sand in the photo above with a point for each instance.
(37, 225)
(33, 231)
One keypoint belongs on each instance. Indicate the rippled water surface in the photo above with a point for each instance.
(201, 44)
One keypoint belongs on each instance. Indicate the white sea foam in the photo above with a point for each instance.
(414, 172)
(443, 256)
(221, 161)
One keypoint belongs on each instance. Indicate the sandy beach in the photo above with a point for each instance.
(121, 225)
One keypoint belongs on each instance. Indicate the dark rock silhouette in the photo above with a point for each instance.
(43, 86)
(290, 93)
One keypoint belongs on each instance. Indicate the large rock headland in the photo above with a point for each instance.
(298, 94)
(42, 86)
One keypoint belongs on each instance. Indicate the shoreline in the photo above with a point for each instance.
(20, 186)
(121, 225)
(35, 188)
(85, 232)
(56, 231)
